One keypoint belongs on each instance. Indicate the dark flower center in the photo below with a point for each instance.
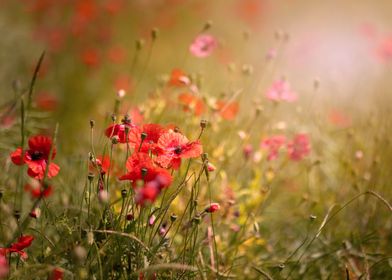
(178, 150)
(36, 155)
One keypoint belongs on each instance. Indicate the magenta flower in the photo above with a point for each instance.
(281, 91)
(203, 45)
(299, 147)
(273, 145)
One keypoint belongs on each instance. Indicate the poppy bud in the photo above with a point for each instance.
(154, 33)
(144, 172)
(103, 196)
(143, 136)
(114, 118)
(35, 213)
(196, 219)
(207, 25)
(210, 167)
(212, 208)
(124, 193)
(151, 220)
(115, 139)
(203, 123)
(173, 217)
(90, 176)
(17, 214)
(92, 123)
(139, 44)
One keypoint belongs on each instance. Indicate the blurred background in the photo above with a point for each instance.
(345, 47)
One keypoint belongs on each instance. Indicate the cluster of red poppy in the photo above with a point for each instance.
(155, 150)
(37, 159)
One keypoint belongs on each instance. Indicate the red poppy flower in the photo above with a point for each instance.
(23, 242)
(57, 274)
(119, 131)
(148, 193)
(175, 146)
(102, 163)
(141, 167)
(36, 157)
(192, 103)
(37, 191)
(227, 110)
(153, 132)
(178, 78)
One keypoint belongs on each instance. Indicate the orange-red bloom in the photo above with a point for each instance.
(36, 157)
(174, 147)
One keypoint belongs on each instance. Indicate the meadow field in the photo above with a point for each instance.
(195, 139)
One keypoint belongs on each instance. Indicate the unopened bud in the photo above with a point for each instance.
(207, 25)
(173, 217)
(139, 44)
(92, 123)
(203, 124)
(154, 33)
(143, 136)
(115, 139)
(90, 176)
(197, 219)
(213, 207)
(113, 117)
(124, 193)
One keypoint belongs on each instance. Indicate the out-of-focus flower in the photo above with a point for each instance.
(37, 190)
(36, 157)
(192, 103)
(247, 150)
(299, 147)
(203, 45)
(273, 145)
(178, 78)
(384, 49)
(281, 91)
(57, 274)
(174, 147)
(90, 58)
(339, 119)
(46, 101)
(227, 110)
(4, 268)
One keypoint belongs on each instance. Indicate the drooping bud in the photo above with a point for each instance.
(213, 207)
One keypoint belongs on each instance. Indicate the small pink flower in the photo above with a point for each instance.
(213, 207)
(203, 45)
(273, 145)
(299, 147)
(281, 91)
